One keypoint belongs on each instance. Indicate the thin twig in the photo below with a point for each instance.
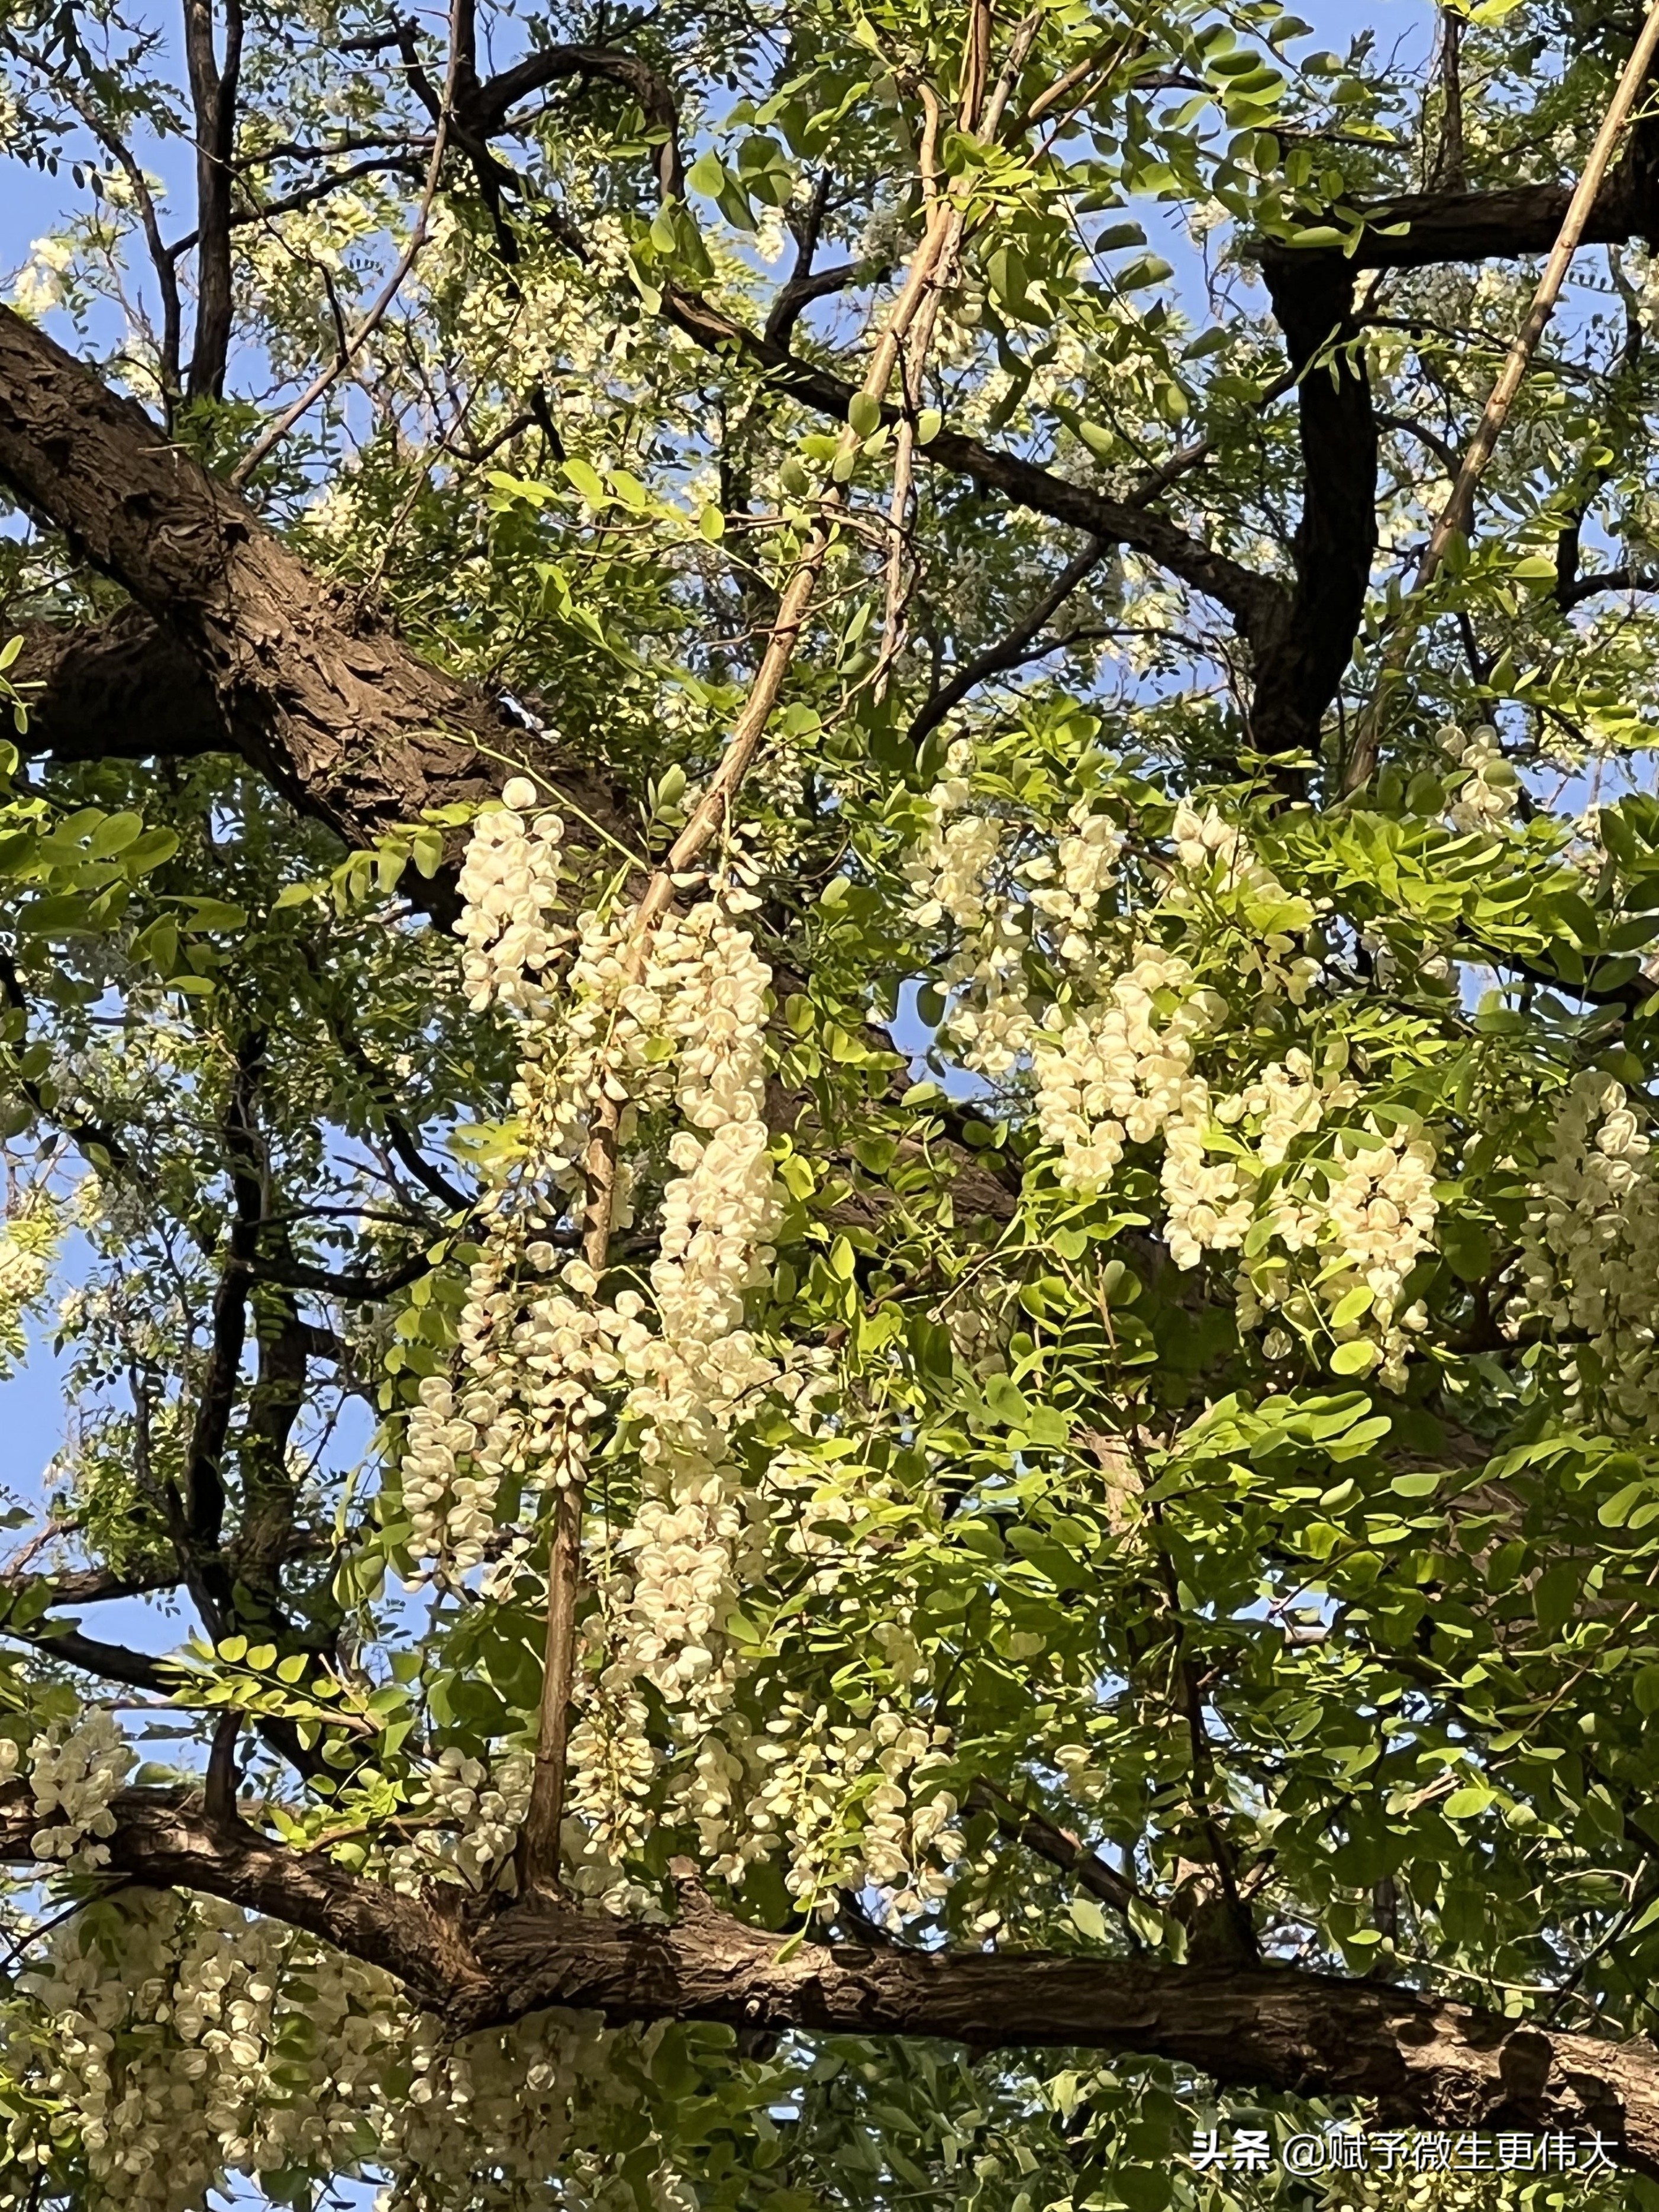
(325, 378)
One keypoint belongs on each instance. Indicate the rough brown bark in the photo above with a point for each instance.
(1441, 227)
(349, 724)
(1267, 2028)
(1302, 658)
(213, 85)
(120, 690)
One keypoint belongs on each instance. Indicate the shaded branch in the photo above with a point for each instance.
(358, 1289)
(213, 83)
(1571, 590)
(94, 1585)
(204, 1504)
(1035, 1832)
(1011, 651)
(1336, 541)
(114, 1662)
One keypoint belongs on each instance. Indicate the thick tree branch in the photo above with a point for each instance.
(92, 1585)
(264, 1539)
(339, 716)
(164, 1839)
(1422, 229)
(1264, 2028)
(113, 1662)
(1572, 590)
(124, 689)
(1336, 536)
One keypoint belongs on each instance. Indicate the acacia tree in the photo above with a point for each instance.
(858, 1281)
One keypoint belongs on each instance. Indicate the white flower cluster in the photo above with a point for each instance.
(1486, 796)
(691, 1383)
(1590, 1251)
(856, 1804)
(1213, 1203)
(1214, 865)
(1117, 1059)
(950, 872)
(980, 1332)
(1350, 1225)
(485, 1807)
(193, 2045)
(1203, 841)
(453, 1462)
(1120, 1072)
(612, 1769)
(509, 884)
(75, 1770)
(674, 1037)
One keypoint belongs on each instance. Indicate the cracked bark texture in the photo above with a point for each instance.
(354, 729)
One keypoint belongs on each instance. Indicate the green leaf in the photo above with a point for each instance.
(115, 833)
(1427, 794)
(1470, 1802)
(1555, 1595)
(1466, 1249)
(585, 479)
(864, 413)
(1353, 1306)
(1421, 1484)
(1136, 276)
(1145, 2188)
(1618, 1508)
(1088, 1918)
(210, 917)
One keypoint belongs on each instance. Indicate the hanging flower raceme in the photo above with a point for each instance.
(1589, 1249)
(1136, 1048)
(672, 1034)
(75, 1770)
(187, 2042)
